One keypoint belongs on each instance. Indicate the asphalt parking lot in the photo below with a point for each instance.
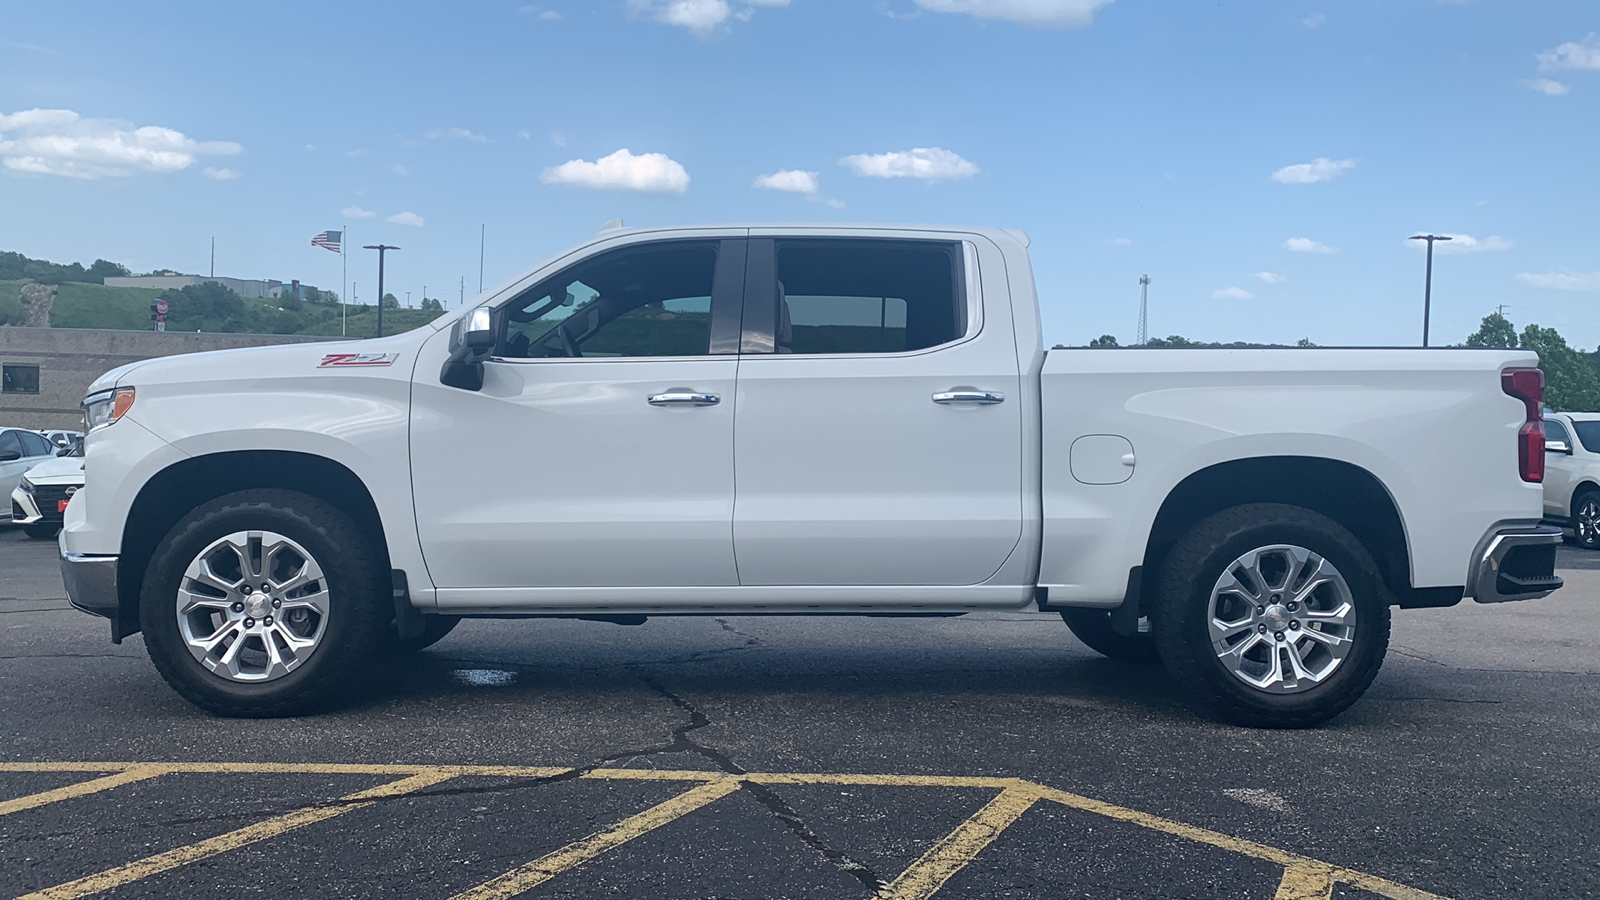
(988, 756)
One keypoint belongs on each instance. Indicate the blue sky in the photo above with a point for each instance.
(1262, 161)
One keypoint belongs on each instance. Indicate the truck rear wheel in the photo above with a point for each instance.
(1093, 627)
(1272, 616)
(264, 603)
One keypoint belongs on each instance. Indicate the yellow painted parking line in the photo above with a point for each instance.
(1304, 878)
(1305, 883)
(943, 860)
(250, 834)
(523, 878)
(118, 779)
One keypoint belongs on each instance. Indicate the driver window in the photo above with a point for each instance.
(646, 301)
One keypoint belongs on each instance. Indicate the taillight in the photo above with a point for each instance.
(1527, 385)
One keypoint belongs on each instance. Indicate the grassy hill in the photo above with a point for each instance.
(85, 305)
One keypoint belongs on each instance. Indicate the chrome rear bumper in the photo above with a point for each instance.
(1516, 562)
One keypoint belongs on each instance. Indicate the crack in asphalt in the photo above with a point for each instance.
(763, 794)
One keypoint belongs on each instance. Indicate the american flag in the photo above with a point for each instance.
(328, 240)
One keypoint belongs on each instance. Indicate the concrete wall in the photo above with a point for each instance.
(70, 359)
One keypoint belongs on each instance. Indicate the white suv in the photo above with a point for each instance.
(1572, 474)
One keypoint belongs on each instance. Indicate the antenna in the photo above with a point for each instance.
(1144, 310)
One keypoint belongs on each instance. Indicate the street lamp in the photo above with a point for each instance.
(383, 249)
(1427, 289)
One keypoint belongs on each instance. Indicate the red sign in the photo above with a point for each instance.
(161, 307)
(61, 505)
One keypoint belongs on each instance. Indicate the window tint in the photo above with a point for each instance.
(651, 301)
(19, 379)
(35, 445)
(1555, 431)
(867, 296)
(8, 441)
(1589, 434)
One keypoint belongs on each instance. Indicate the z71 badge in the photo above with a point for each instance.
(339, 360)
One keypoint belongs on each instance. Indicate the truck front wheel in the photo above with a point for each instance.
(264, 603)
(1272, 615)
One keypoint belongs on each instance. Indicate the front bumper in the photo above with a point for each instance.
(91, 583)
(1515, 562)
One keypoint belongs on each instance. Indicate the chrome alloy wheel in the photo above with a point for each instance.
(252, 606)
(1586, 521)
(1282, 619)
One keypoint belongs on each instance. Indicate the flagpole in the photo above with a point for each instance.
(344, 276)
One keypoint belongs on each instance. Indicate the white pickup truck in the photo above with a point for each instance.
(800, 421)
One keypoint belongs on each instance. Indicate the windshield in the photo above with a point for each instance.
(1589, 435)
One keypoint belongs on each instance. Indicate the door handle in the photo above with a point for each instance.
(982, 398)
(684, 398)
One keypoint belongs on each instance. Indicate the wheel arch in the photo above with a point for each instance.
(173, 492)
(1342, 491)
(1583, 487)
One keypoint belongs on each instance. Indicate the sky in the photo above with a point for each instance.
(1263, 161)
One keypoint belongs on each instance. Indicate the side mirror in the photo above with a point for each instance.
(1561, 447)
(471, 342)
(10, 455)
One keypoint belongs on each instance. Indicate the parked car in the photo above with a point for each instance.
(20, 450)
(64, 440)
(41, 497)
(904, 446)
(1572, 475)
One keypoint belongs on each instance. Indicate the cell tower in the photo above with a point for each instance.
(1144, 309)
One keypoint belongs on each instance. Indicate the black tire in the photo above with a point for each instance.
(434, 628)
(1182, 632)
(1585, 518)
(1093, 627)
(359, 603)
(41, 531)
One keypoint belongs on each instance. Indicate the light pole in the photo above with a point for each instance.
(382, 249)
(1427, 285)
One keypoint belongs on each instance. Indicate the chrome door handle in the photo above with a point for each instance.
(982, 398)
(684, 398)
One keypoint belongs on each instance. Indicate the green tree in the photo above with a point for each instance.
(432, 305)
(104, 268)
(1570, 383)
(390, 301)
(1173, 340)
(1304, 342)
(1104, 340)
(1496, 331)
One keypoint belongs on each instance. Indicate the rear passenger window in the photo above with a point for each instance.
(868, 296)
(35, 445)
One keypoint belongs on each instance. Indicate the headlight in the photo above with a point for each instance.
(106, 407)
(26, 485)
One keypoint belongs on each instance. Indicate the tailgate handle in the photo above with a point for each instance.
(982, 398)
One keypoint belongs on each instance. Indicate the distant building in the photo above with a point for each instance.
(256, 288)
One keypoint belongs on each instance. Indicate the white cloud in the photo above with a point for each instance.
(1546, 86)
(1271, 278)
(1319, 169)
(559, 138)
(359, 151)
(356, 212)
(1314, 21)
(834, 203)
(460, 134)
(398, 169)
(1307, 245)
(549, 15)
(1232, 293)
(622, 171)
(1121, 242)
(794, 181)
(1460, 244)
(1563, 281)
(61, 142)
(1034, 13)
(927, 163)
(524, 134)
(405, 218)
(216, 174)
(310, 147)
(1584, 54)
